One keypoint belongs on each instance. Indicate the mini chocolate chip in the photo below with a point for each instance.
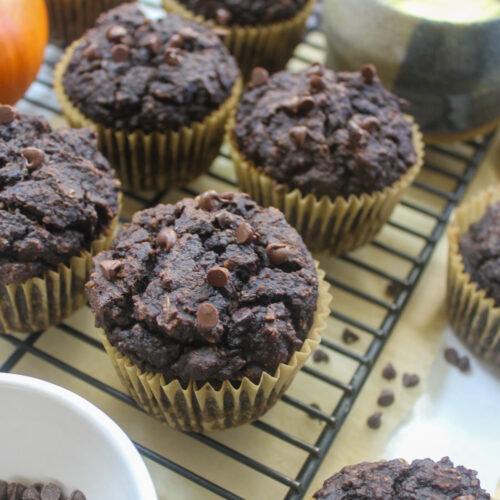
(222, 33)
(34, 156)
(188, 33)
(260, 76)
(368, 73)
(464, 364)
(115, 32)
(243, 316)
(389, 372)
(386, 398)
(245, 233)
(218, 276)
(299, 134)
(316, 69)
(410, 379)
(356, 133)
(393, 289)
(3, 490)
(92, 52)
(152, 41)
(172, 56)
(370, 124)
(320, 356)
(222, 16)
(207, 316)
(207, 200)
(110, 268)
(31, 493)
(316, 84)
(7, 114)
(278, 253)
(176, 41)
(15, 491)
(349, 337)
(51, 492)
(166, 238)
(224, 219)
(291, 105)
(313, 415)
(120, 53)
(375, 420)
(451, 355)
(306, 104)
(77, 495)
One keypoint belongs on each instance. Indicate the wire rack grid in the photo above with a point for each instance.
(406, 244)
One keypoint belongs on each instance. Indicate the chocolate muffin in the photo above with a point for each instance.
(325, 134)
(398, 480)
(58, 197)
(207, 290)
(37, 491)
(158, 92)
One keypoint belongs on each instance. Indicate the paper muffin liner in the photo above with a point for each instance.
(473, 315)
(335, 226)
(269, 46)
(44, 301)
(206, 409)
(158, 160)
(69, 19)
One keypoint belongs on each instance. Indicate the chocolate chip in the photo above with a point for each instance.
(320, 356)
(172, 57)
(404, 105)
(115, 33)
(259, 76)
(386, 398)
(30, 493)
(92, 52)
(299, 134)
(222, 16)
(77, 495)
(389, 372)
(410, 380)
(315, 406)
(291, 105)
(51, 492)
(245, 233)
(349, 337)
(207, 200)
(120, 53)
(316, 69)
(451, 355)
(176, 41)
(464, 364)
(218, 276)
(15, 491)
(207, 316)
(368, 73)
(370, 124)
(188, 33)
(393, 289)
(224, 219)
(7, 114)
(277, 253)
(166, 238)
(306, 104)
(375, 420)
(243, 316)
(34, 156)
(152, 41)
(3, 490)
(110, 268)
(316, 84)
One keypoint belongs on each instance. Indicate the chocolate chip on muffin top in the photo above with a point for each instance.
(210, 289)
(134, 73)
(57, 195)
(325, 133)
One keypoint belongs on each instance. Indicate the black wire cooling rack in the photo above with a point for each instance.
(433, 196)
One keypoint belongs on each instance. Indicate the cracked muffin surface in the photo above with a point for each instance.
(325, 133)
(130, 72)
(57, 195)
(211, 289)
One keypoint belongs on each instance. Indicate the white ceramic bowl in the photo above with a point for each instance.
(48, 433)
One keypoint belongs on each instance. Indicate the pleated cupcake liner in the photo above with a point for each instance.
(269, 46)
(333, 226)
(206, 409)
(158, 160)
(473, 315)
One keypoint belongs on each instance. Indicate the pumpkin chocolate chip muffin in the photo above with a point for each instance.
(209, 292)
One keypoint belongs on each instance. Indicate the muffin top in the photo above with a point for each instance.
(134, 73)
(209, 289)
(245, 12)
(325, 133)
(37, 491)
(480, 249)
(397, 480)
(57, 194)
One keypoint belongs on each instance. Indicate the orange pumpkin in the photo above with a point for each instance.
(24, 33)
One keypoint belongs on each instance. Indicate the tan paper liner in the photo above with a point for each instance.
(473, 316)
(41, 302)
(205, 409)
(159, 160)
(334, 226)
(69, 19)
(269, 46)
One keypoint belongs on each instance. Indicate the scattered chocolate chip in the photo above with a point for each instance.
(3, 489)
(277, 253)
(110, 268)
(152, 41)
(188, 33)
(375, 420)
(299, 134)
(464, 364)
(34, 156)
(51, 492)
(320, 356)
(370, 124)
(245, 233)
(222, 16)
(115, 33)
(225, 220)
(349, 337)
(243, 316)
(15, 490)
(451, 355)
(7, 114)
(30, 493)
(207, 200)
(218, 276)
(386, 398)
(92, 52)
(316, 69)
(77, 495)
(356, 133)
(313, 415)
(368, 73)
(316, 84)
(176, 41)
(166, 238)
(222, 33)
(389, 372)
(120, 53)
(306, 104)
(291, 105)
(393, 289)
(172, 57)
(259, 76)
(207, 316)
(410, 379)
